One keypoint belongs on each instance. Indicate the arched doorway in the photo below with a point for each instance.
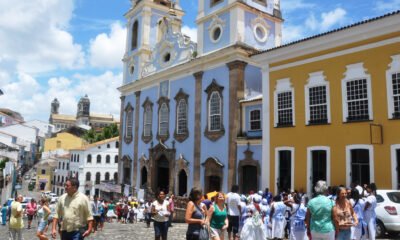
(162, 174)
(143, 179)
(250, 179)
(213, 175)
(182, 178)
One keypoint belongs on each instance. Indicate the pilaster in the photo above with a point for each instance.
(265, 159)
(236, 93)
(136, 143)
(121, 116)
(197, 129)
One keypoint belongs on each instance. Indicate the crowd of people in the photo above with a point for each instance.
(331, 213)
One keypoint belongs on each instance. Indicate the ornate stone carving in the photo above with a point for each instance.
(161, 101)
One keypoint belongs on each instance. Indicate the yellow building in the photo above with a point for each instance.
(63, 140)
(45, 171)
(331, 108)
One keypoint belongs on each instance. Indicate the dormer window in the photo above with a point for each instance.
(214, 2)
(167, 57)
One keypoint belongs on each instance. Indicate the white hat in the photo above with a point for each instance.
(257, 199)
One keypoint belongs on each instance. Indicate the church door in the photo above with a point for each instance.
(182, 183)
(163, 174)
(249, 182)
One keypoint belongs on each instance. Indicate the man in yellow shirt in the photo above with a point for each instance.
(74, 209)
(16, 222)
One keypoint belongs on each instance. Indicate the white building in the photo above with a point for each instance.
(61, 174)
(94, 164)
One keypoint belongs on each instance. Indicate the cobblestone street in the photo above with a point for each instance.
(113, 231)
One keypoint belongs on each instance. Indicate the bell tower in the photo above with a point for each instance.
(145, 29)
(223, 23)
(83, 112)
(55, 105)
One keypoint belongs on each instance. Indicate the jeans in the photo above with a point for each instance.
(76, 235)
(160, 228)
(190, 236)
(15, 234)
(344, 234)
(323, 236)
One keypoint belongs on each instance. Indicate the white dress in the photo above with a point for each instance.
(357, 231)
(265, 210)
(298, 230)
(278, 220)
(253, 227)
(370, 217)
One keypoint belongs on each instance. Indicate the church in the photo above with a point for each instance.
(83, 118)
(191, 111)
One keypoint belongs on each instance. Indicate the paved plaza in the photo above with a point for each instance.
(113, 231)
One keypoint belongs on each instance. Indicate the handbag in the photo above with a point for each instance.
(204, 233)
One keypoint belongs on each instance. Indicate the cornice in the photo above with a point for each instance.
(203, 63)
(138, 8)
(243, 6)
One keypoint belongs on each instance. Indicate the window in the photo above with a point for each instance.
(213, 2)
(214, 128)
(215, 112)
(284, 168)
(88, 176)
(134, 41)
(359, 164)
(108, 145)
(163, 119)
(67, 166)
(216, 29)
(108, 158)
(393, 88)
(77, 158)
(116, 159)
(63, 165)
(147, 134)
(43, 171)
(284, 103)
(181, 127)
(89, 158)
(356, 90)
(59, 165)
(116, 144)
(107, 176)
(255, 120)
(128, 124)
(99, 158)
(317, 99)
(97, 178)
(58, 144)
(318, 165)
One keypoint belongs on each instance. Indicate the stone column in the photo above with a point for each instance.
(197, 129)
(236, 93)
(120, 164)
(136, 142)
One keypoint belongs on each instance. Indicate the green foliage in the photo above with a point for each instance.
(3, 162)
(107, 132)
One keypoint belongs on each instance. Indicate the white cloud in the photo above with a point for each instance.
(32, 100)
(288, 6)
(387, 5)
(191, 32)
(291, 33)
(107, 50)
(34, 37)
(332, 18)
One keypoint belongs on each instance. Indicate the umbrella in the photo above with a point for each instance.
(212, 194)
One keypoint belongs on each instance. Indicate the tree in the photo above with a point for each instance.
(107, 132)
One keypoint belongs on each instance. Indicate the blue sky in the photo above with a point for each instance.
(69, 48)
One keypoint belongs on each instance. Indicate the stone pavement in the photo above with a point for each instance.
(112, 231)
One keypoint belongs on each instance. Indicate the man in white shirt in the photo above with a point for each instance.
(234, 212)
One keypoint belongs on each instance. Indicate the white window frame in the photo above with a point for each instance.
(356, 72)
(285, 148)
(184, 118)
(209, 112)
(250, 121)
(309, 165)
(394, 166)
(164, 106)
(283, 85)
(317, 79)
(394, 67)
(370, 148)
(147, 121)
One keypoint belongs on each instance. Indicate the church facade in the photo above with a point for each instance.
(191, 113)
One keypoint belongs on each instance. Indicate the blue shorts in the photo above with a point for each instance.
(41, 226)
(160, 228)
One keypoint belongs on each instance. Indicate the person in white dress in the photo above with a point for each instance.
(369, 211)
(358, 205)
(253, 227)
(277, 218)
(298, 212)
(265, 211)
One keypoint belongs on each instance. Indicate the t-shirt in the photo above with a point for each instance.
(321, 214)
(233, 203)
(162, 211)
(16, 221)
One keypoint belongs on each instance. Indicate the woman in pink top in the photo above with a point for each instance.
(31, 209)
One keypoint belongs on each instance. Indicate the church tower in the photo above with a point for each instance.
(223, 23)
(145, 29)
(83, 112)
(55, 105)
